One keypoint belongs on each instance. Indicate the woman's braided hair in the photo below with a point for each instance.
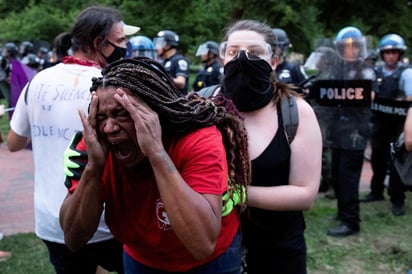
(181, 114)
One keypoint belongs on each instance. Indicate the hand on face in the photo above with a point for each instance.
(146, 123)
(96, 148)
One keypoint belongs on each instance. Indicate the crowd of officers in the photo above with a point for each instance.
(347, 125)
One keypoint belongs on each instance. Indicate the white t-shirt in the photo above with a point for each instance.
(50, 118)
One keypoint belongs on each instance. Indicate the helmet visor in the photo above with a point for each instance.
(313, 61)
(203, 49)
(351, 49)
(159, 42)
(144, 52)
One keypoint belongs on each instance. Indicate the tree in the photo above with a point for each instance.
(196, 21)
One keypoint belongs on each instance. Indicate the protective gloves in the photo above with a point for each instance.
(239, 196)
(74, 160)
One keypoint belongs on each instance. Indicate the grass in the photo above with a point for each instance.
(383, 246)
(4, 120)
(29, 255)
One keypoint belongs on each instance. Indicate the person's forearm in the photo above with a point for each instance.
(16, 142)
(193, 216)
(179, 82)
(280, 198)
(81, 211)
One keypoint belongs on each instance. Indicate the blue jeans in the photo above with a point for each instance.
(227, 263)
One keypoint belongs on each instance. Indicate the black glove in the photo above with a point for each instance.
(398, 149)
(74, 160)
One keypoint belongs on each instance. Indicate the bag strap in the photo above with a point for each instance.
(208, 91)
(290, 116)
(289, 110)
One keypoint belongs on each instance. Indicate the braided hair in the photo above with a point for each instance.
(181, 114)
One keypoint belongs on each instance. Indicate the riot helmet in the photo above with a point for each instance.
(142, 46)
(350, 44)
(43, 50)
(10, 49)
(372, 55)
(166, 37)
(282, 40)
(208, 47)
(32, 61)
(322, 60)
(26, 47)
(392, 42)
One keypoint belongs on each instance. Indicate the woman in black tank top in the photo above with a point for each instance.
(285, 177)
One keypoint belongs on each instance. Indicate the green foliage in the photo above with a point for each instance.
(196, 21)
(7, 7)
(40, 23)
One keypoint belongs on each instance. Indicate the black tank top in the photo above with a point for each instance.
(264, 228)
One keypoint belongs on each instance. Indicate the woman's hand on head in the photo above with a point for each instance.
(146, 122)
(97, 149)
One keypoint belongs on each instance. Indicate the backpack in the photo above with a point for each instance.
(289, 110)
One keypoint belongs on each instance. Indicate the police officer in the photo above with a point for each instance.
(43, 55)
(346, 116)
(32, 61)
(141, 45)
(26, 47)
(286, 71)
(176, 65)
(395, 86)
(323, 61)
(10, 51)
(372, 58)
(212, 71)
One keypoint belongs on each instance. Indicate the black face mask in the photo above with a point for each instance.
(248, 82)
(117, 54)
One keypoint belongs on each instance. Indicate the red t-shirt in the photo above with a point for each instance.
(136, 215)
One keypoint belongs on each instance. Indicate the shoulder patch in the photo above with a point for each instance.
(168, 64)
(182, 64)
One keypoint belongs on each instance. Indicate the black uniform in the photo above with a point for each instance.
(209, 75)
(177, 65)
(386, 129)
(5, 69)
(290, 73)
(346, 131)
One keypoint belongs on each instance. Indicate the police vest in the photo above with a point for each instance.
(388, 86)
